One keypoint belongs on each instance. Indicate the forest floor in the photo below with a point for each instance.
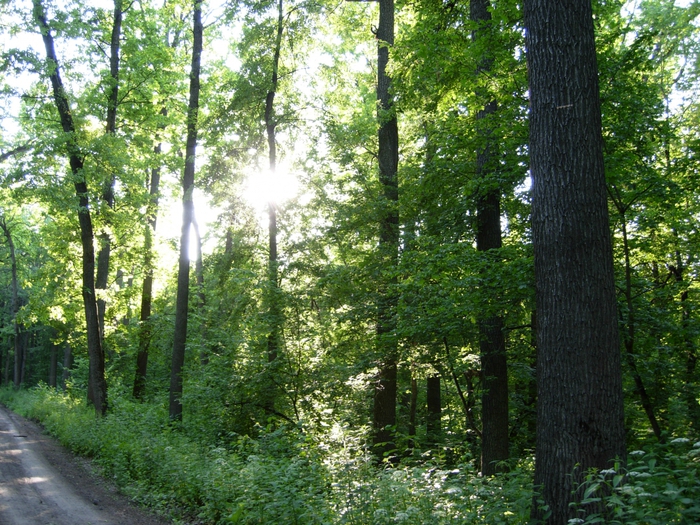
(42, 483)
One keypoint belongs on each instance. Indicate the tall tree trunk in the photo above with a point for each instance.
(273, 340)
(53, 366)
(147, 289)
(492, 345)
(199, 263)
(629, 340)
(434, 402)
(105, 242)
(183, 276)
(412, 409)
(384, 414)
(97, 384)
(580, 417)
(14, 305)
(690, 390)
(201, 296)
(6, 373)
(103, 255)
(26, 338)
(67, 364)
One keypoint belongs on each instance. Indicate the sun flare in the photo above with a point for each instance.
(263, 187)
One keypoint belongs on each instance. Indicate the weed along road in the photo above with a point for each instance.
(42, 484)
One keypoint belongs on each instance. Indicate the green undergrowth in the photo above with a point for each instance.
(284, 476)
(281, 477)
(659, 486)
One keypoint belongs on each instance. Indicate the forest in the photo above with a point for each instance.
(358, 262)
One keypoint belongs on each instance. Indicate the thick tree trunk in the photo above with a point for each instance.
(97, 384)
(384, 414)
(183, 276)
(492, 345)
(494, 399)
(580, 418)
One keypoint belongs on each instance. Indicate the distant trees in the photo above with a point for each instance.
(14, 303)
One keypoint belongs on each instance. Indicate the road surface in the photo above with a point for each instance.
(42, 484)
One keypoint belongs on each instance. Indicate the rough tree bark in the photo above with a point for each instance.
(580, 419)
(98, 385)
(384, 413)
(183, 275)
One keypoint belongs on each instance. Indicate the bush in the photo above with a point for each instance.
(660, 486)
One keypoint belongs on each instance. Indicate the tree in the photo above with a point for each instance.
(492, 344)
(14, 305)
(97, 383)
(580, 419)
(103, 255)
(147, 286)
(166, 85)
(183, 275)
(384, 414)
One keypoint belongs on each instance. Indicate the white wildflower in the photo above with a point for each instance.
(639, 452)
(697, 445)
(680, 440)
(608, 471)
(575, 521)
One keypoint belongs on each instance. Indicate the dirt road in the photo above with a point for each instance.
(42, 484)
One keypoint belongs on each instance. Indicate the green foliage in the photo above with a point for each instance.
(280, 477)
(660, 485)
(237, 460)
